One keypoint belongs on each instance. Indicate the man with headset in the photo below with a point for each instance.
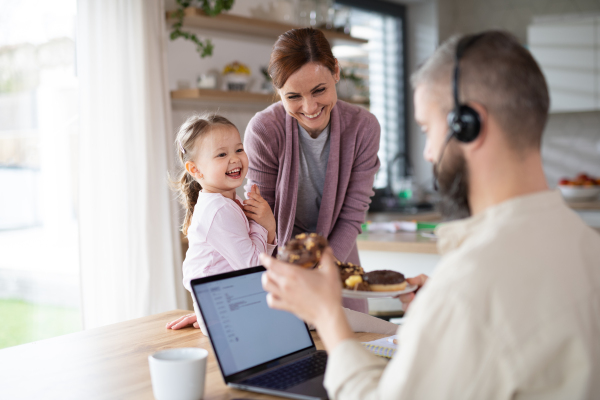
(513, 309)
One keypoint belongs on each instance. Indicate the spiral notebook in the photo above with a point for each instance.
(384, 347)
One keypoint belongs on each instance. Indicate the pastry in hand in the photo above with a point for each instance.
(304, 250)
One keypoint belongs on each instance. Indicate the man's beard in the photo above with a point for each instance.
(453, 185)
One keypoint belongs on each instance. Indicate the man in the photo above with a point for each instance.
(513, 310)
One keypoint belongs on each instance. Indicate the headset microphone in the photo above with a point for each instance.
(439, 161)
(464, 122)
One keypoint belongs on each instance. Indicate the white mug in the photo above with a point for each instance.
(178, 374)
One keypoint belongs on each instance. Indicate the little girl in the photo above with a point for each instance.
(224, 234)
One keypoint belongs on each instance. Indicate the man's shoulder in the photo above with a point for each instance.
(516, 277)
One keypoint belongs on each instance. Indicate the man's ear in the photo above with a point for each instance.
(193, 170)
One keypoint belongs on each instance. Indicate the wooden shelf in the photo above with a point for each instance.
(194, 18)
(239, 97)
(214, 95)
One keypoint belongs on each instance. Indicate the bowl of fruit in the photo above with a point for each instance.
(583, 187)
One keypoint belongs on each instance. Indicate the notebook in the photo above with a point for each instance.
(384, 347)
(257, 348)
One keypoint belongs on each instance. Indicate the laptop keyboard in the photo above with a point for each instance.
(291, 375)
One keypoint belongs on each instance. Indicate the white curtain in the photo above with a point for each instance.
(130, 251)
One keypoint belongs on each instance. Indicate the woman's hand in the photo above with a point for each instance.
(313, 295)
(407, 298)
(184, 321)
(257, 209)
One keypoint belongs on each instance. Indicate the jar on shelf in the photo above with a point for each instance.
(236, 76)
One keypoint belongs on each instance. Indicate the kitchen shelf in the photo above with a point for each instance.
(212, 95)
(195, 18)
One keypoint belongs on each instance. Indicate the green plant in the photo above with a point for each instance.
(210, 8)
(265, 72)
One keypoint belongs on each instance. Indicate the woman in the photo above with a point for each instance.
(313, 157)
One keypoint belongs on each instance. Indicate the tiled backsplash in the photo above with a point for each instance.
(570, 145)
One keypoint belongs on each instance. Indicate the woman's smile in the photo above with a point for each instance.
(309, 95)
(315, 115)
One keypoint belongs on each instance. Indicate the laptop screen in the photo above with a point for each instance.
(243, 330)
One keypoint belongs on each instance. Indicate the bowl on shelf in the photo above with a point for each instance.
(570, 192)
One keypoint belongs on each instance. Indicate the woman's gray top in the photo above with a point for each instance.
(314, 154)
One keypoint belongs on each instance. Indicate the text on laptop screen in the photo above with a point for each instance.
(244, 331)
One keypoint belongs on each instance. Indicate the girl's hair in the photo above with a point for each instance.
(294, 49)
(193, 129)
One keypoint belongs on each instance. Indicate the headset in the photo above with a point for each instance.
(464, 122)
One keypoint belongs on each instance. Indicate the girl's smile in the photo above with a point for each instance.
(235, 173)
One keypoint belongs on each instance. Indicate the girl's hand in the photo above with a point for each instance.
(184, 321)
(257, 209)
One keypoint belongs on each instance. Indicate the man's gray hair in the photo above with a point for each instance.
(497, 72)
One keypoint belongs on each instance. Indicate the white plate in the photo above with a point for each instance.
(361, 294)
(579, 193)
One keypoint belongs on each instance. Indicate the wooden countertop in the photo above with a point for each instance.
(403, 242)
(110, 362)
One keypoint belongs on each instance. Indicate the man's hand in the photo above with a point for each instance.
(257, 209)
(407, 298)
(313, 295)
(184, 321)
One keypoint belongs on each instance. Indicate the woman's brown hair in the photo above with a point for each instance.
(294, 49)
(192, 130)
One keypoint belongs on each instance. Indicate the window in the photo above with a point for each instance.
(39, 277)
(381, 63)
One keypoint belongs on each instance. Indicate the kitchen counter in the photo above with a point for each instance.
(403, 242)
(414, 242)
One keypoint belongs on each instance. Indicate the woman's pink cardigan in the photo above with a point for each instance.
(271, 142)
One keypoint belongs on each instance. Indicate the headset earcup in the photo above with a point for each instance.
(470, 124)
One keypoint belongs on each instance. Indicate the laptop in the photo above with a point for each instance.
(257, 348)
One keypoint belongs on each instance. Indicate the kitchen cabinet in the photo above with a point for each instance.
(567, 49)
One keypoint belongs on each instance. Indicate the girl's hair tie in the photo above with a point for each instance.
(181, 147)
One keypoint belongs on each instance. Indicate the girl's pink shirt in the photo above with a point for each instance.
(221, 239)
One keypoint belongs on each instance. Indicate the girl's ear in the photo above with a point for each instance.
(336, 75)
(193, 170)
